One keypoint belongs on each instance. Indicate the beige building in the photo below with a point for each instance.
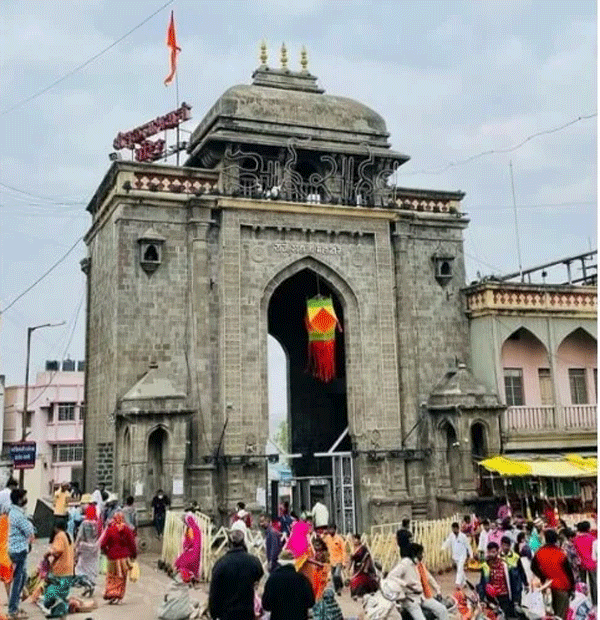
(536, 346)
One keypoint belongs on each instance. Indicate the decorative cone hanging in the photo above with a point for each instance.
(321, 322)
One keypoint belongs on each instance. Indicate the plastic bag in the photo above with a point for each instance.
(134, 572)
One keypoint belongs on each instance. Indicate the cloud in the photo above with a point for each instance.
(450, 78)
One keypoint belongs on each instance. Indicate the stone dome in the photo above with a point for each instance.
(281, 104)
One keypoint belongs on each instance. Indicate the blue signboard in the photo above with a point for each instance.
(23, 454)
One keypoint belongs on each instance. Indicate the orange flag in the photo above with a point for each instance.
(172, 43)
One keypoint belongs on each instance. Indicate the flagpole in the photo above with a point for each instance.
(177, 108)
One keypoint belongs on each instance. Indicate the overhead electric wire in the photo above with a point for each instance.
(83, 64)
(38, 196)
(56, 264)
(498, 151)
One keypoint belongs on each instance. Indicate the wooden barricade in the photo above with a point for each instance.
(214, 542)
(431, 534)
(173, 540)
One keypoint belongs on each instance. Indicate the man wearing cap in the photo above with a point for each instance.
(234, 576)
(288, 595)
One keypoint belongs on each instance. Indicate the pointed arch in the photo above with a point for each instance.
(576, 364)
(344, 291)
(526, 365)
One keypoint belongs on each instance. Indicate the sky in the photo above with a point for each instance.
(451, 79)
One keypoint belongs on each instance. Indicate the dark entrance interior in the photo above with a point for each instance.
(317, 411)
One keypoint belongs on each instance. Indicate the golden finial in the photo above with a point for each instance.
(284, 58)
(263, 53)
(304, 59)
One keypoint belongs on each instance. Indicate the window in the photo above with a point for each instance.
(66, 412)
(82, 411)
(596, 383)
(578, 386)
(513, 387)
(49, 413)
(28, 419)
(546, 390)
(67, 453)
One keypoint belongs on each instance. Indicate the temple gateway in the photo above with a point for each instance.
(282, 222)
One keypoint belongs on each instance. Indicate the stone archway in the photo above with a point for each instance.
(158, 450)
(319, 413)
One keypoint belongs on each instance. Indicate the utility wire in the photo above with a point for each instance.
(84, 64)
(56, 264)
(497, 151)
(38, 196)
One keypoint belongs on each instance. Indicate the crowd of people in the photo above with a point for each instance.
(514, 563)
(306, 560)
(90, 532)
(521, 559)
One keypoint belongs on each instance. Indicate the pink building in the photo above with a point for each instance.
(536, 346)
(54, 421)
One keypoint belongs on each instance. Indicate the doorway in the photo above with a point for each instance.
(157, 449)
(316, 411)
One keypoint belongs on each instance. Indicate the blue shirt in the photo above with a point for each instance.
(20, 530)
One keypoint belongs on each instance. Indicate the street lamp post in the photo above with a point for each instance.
(30, 330)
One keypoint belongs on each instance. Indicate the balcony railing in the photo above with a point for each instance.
(529, 418)
(580, 416)
(547, 418)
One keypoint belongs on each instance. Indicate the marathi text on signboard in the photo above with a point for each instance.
(23, 455)
(138, 135)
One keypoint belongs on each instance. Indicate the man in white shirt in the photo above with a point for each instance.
(483, 539)
(5, 502)
(460, 548)
(320, 516)
(420, 588)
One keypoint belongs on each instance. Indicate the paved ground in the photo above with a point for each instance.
(143, 598)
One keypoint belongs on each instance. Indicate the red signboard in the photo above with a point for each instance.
(150, 151)
(138, 135)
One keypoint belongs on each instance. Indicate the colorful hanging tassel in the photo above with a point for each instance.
(321, 322)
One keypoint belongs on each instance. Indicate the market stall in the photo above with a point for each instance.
(533, 487)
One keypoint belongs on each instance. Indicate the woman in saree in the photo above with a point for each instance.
(316, 568)
(118, 544)
(299, 542)
(364, 577)
(188, 563)
(87, 548)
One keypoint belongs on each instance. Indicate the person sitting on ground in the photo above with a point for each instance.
(420, 587)
(550, 562)
(404, 537)
(288, 594)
